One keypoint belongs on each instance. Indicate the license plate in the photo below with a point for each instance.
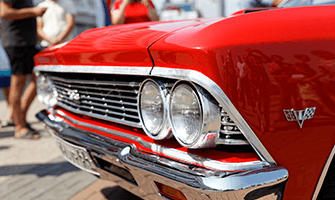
(76, 155)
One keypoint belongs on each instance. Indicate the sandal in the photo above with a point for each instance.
(29, 127)
(30, 134)
(8, 123)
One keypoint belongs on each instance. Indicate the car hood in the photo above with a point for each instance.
(121, 45)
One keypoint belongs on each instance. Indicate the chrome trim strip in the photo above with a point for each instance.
(232, 141)
(122, 70)
(227, 123)
(215, 90)
(230, 132)
(323, 174)
(113, 83)
(174, 153)
(94, 88)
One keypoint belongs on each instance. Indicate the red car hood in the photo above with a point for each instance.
(122, 45)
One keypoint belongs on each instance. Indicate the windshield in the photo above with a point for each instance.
(295, 3)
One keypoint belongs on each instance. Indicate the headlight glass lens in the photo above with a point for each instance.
(186, 117)
(152, 108)
(46, 91)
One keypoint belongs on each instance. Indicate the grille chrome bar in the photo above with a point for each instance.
(232, 142)
(109, 106)
(113, 100)
(230, 134)
(111, 95)
(95, 88)
(95, 82)
(97, 109)
(107, 101)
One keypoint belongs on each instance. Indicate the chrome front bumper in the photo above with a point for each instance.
(139, 173)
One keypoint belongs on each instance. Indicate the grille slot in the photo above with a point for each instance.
(230, 134)
(105, 97)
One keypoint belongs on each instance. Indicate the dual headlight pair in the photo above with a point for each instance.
(187, 112)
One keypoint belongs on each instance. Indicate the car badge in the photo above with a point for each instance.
(74, 95)
(299, 115)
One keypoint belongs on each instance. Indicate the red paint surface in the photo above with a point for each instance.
(121, 45)
(289, 60)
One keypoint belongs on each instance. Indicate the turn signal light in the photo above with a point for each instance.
(170, 192)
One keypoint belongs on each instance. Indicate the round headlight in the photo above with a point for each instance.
(46, 92)
(152, 109)
(186, 114)
(195, 120)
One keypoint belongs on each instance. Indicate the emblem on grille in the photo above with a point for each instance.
(299, 115)
(74, 95)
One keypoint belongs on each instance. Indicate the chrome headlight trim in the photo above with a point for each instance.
(210, 119)
(220, 96)
(164, 130)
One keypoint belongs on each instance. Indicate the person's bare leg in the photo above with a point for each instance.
(16, 88)
(10, 113)
(28, 97)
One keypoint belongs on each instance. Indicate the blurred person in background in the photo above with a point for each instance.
(5, 82)
(109, 4)
(57, 23)
(132, 11)
(19, 38)
(243, 4)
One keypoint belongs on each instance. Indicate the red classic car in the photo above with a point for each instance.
(234, 108)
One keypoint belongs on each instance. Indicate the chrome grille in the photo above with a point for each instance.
(230, 134)
(112, 98)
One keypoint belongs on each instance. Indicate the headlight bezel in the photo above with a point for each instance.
(210, 118)
(164, 130)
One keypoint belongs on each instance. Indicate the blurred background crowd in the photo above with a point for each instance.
(96, 13)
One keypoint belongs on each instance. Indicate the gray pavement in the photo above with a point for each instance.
(35, 169)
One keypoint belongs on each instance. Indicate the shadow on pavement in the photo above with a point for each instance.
(118, 193)
(41, 170)
(4, 147)
(8, 131)
(6, 134)
(56, 180)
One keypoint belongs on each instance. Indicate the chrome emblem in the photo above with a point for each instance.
(73, 95)
(299, 115)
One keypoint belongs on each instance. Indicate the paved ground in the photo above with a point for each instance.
(35, 169)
